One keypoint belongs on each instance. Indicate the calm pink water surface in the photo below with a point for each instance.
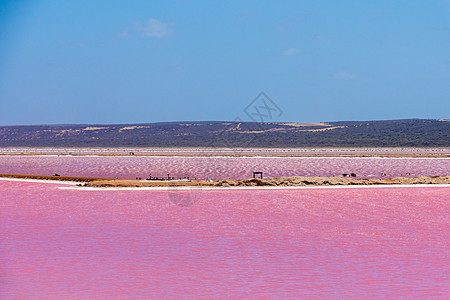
(302, 243)
(221, 167)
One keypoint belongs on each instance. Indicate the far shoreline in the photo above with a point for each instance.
(375, 152)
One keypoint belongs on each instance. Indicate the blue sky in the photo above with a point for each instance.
(152, 61)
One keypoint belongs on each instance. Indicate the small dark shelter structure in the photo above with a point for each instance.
(258, 173)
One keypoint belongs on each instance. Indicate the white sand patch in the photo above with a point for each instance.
(189, 188)
(41, 180)
(133, 127)
(94, 128)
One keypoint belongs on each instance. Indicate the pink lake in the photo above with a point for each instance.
(375, 242)
(221, 167)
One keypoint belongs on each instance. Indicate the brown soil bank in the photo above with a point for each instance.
(306, 181)
(274, 181)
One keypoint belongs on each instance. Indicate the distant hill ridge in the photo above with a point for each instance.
(388, 133)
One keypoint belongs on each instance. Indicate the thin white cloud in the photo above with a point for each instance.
(291, 51)
(323, 38)
(155, 28)
(290, 24)
(123, 34)
(344, 76)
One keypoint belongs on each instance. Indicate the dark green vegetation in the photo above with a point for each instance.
(393, 133)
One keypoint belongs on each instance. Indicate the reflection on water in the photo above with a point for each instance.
(303, 243)
(182, 196)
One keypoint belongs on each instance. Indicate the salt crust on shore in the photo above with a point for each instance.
(73, 186)
(225, 156)
(40, 180)
(81, 188)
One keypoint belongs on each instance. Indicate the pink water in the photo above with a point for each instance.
(298, 243)
(221, 167)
